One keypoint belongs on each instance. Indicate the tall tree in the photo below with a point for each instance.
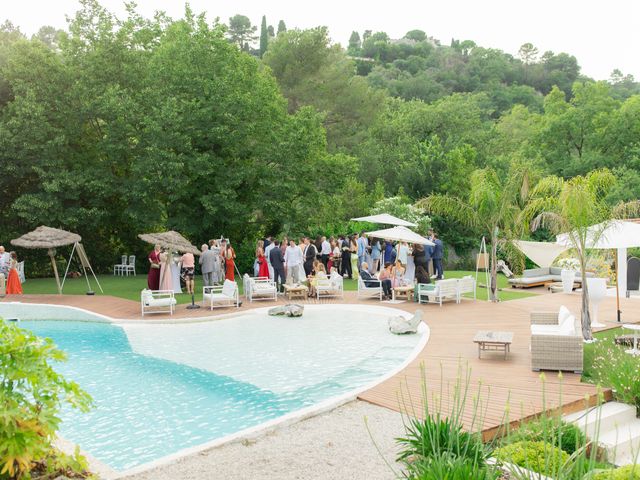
(241, 32)
(354, 44)
(271, 31)
(281, 27)
(491, 206)
(264, 36)
(572, 207)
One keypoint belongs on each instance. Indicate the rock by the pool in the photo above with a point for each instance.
(290, 310)
(400, 325)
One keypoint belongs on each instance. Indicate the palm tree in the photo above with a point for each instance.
(572, 207)
(491, 206)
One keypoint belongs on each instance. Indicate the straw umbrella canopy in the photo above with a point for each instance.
(171, 240)
(49, 238)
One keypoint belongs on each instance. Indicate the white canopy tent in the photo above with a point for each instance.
(385, 219)
(400, 234)
(616, 235)
(541, 253)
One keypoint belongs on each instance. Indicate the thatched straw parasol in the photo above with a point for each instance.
(171, 240)
(49, 238)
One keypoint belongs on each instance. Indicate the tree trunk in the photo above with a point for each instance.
(494, 269)
(585, 315)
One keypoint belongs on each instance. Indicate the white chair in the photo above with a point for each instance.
(224, 295)
(438, 292)
(259, 288)
(157, 301)
(20, 268)
(466, 285)
(131, 265)
(333, 286)
(118, 268)
(372, 291)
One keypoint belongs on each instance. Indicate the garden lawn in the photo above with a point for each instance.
(130, 287)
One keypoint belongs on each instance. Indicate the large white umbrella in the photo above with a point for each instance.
(613, 235)
(400, 234)
(385, 219)
(541, 253)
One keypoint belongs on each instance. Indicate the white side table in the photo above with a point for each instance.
(636, 337)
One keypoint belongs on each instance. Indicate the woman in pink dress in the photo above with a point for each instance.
(153, 277)
(166, 281)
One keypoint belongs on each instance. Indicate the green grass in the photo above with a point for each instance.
(481, 293)
(607, 337)
(130, 287)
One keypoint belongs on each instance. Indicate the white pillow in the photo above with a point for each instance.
(567, 327)
(563, 314)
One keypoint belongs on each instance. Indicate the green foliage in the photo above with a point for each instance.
(264, 36)
(553, 431)
(31, 395)
(401, 208)
(538, 456)
(628, 472)
(445, 466)
(241, 32)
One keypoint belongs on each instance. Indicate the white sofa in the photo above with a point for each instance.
(556, 341)
(259, 288)
(438, 292)
(157, 301)
(373, 291)
(535, 277)
(333, 286)
(225, 295)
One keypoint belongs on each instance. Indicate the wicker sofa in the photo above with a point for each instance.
(554, 347)
(535, 277)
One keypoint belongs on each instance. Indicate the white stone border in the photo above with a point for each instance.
(257, 430)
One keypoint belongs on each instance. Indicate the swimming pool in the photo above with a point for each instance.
(160, 388)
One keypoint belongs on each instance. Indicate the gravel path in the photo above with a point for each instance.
(334, 445)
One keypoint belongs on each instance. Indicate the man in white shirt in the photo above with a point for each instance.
(292, 260)
(5, 260)
(325, 252)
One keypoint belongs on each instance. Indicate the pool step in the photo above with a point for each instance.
(618, 433)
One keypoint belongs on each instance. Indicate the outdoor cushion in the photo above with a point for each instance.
(563, 313)
(229, 289)
(217, 297)
(535, 272)
(567, 327)
(160, 302)
(265, 287)
(529, 280)
(545, 330)
(555, 270)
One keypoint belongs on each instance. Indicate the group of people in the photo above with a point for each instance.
(217, 262)
(9, 277)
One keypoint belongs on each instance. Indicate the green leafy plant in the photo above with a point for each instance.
(538, 456)
(447, 466)
(31, 395)
(629, 472)
(565, 436)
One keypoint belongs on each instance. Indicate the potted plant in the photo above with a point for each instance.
(568, 274)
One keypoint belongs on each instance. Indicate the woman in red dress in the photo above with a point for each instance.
(263, 266)
(153, 277)
(14, 287)
(229, 255)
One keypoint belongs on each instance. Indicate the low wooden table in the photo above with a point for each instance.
(406, 291)
(556, 287)
(493, 341)
(295, 291)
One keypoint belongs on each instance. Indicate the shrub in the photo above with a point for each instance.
(554, 431)
(538, 456)
(446, 466)
(31, 394)
(629, 472)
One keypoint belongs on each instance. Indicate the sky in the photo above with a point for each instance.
(602, 35)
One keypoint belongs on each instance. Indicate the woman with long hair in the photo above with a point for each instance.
(153, 277)
(263, 266)
(229, 256)
(14, 287)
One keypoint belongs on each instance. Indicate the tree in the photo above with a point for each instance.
(416, 35)
(271, 32)
(572, 207)
(281, 27)
(528, 53)
(264, 36)
(241, 32)
(50, 36)
(492, 206)
(354, 44)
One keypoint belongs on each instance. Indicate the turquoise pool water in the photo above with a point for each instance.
(162, 388)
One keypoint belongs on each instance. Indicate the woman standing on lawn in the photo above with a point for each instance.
(153, 277)
(14, 287)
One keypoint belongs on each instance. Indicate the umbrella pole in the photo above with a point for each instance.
(617, 288)
(55, 270)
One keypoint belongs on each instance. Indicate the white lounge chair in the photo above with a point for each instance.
(224, 295)
(330, 287)
(157, 301)
(438, 292)
(118, 268)
(466, 285)
(130, 267)
(259, 288)
(373, 291)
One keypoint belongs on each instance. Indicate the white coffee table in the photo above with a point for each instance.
(636, 337)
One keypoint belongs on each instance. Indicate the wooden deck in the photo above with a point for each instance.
(450, 352)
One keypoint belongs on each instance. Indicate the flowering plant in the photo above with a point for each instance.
(569, 264)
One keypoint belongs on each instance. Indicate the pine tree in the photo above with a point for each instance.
(354, 44)
(281, 27)
(264, 36)
(271, 31)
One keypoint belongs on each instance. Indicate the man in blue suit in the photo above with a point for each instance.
(438, 254)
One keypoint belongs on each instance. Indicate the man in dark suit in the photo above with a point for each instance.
(438, 254)
(277, 262)
(309, 254)
(371, 281)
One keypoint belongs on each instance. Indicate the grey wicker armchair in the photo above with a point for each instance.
(555, 351)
